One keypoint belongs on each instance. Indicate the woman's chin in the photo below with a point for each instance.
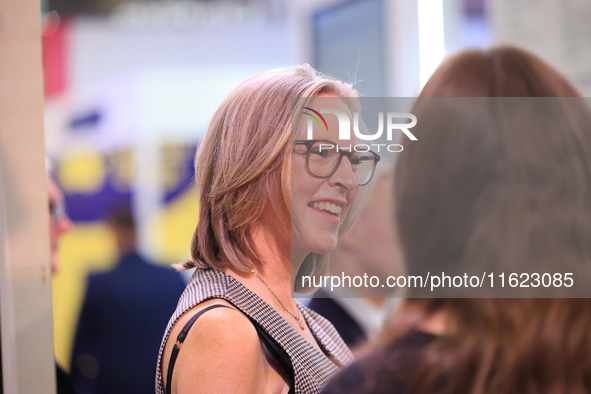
(314, 244)
(324, 247)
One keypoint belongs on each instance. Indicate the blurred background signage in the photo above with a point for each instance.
(130, 87)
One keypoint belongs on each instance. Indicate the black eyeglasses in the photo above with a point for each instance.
(323, 158)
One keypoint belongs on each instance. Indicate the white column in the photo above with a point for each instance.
(147, 193)
(27, 329)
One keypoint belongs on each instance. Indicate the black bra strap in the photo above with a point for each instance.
(179, 341)
(270, 344)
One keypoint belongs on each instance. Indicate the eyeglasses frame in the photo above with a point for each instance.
(310, 143)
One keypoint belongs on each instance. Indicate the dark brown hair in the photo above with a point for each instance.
(478, 193)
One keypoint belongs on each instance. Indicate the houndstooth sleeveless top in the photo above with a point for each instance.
(312, 368)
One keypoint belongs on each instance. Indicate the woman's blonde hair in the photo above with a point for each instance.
(242, 163)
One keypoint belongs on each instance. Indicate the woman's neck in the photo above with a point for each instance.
(275, 256)
(274, 269)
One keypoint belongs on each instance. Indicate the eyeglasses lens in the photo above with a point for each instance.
(324, 158)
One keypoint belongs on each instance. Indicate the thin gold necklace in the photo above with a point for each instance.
(298, 318)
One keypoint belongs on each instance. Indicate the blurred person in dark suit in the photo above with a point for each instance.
(59, 223)
(123, 316)
(371, 247)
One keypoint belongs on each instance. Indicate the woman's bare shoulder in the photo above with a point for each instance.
(230, 312)
(222, 341)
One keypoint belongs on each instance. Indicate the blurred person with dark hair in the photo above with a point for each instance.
(371, 247)
(513, 190)
(59, 223)
(123, 316)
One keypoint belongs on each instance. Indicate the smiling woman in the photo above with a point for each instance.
(321, 178)
(328, 176)
(237, 328)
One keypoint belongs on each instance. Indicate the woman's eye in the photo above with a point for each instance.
(320, 152)
(355, 161)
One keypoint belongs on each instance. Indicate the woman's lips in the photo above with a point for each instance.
(328, 206)
(326, 215)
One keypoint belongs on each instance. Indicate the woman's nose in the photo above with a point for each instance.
(345, 176)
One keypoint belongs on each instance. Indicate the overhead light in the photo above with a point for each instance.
(431, 37)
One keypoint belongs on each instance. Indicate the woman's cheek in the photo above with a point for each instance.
(350, 200)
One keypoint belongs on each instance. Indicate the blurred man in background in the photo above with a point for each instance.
(371, 248)
(59, 223)
(123, 318)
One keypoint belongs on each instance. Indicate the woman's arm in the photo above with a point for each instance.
(222, 353)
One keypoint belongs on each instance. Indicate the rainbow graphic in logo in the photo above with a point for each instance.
(315, 118)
